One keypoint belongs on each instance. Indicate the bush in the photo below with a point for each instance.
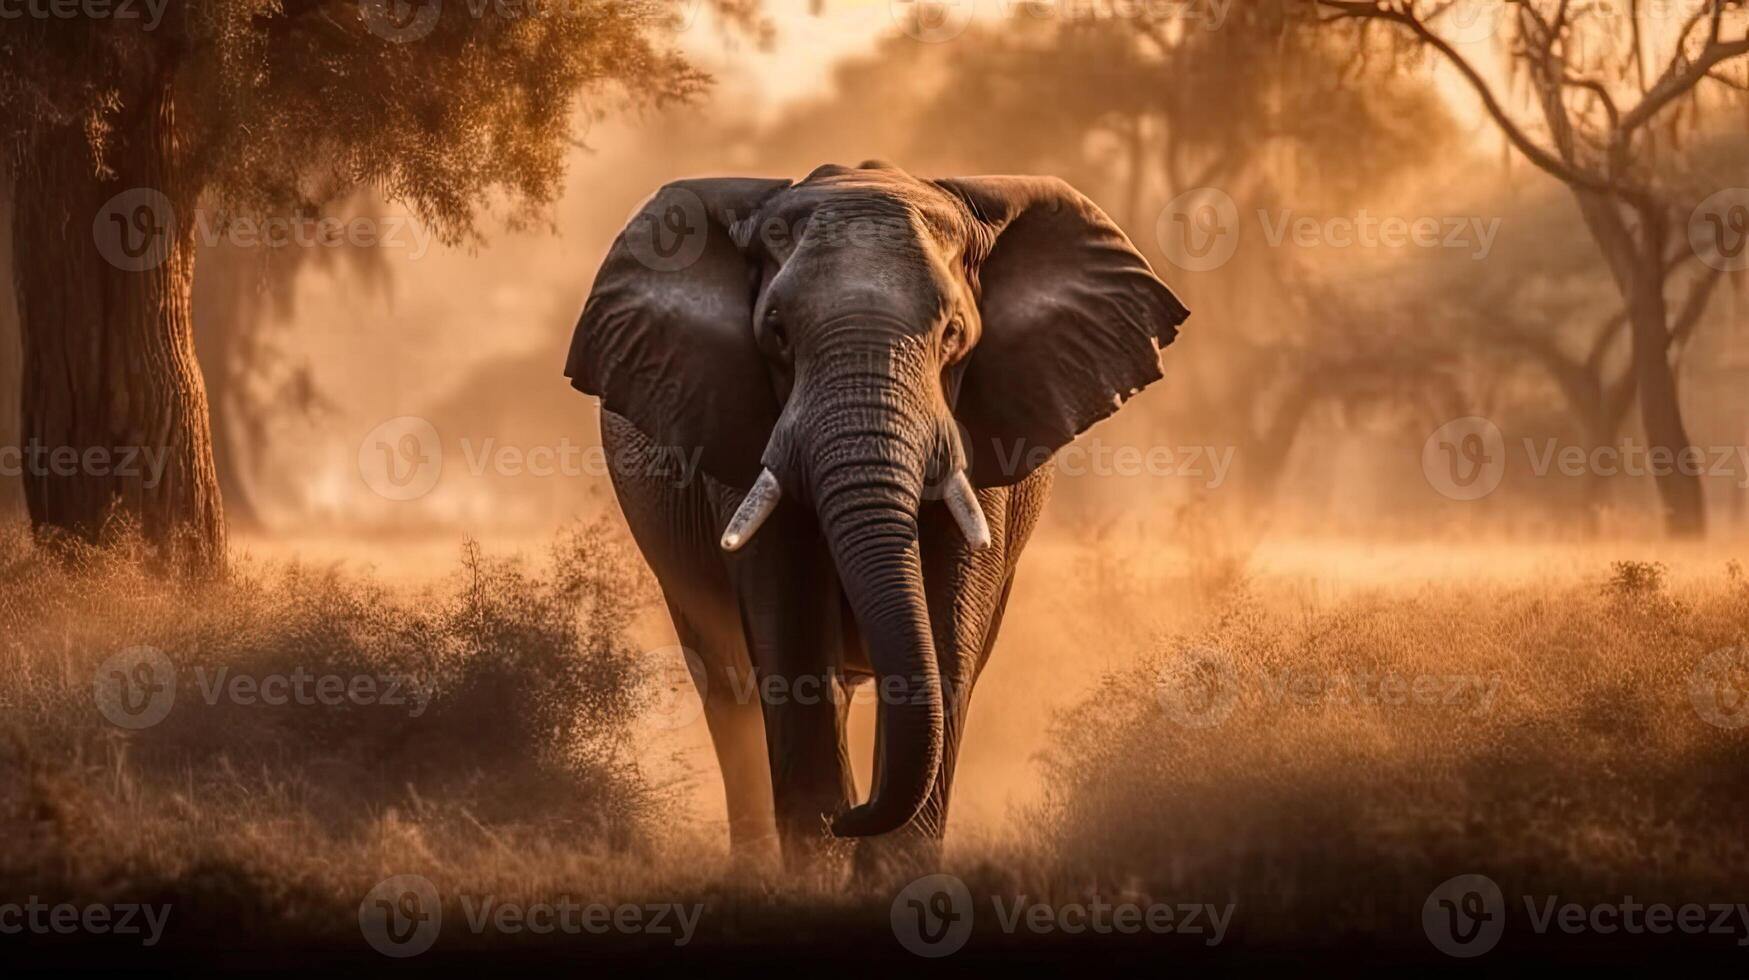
(491, 712)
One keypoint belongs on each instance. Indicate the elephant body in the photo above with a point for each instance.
(868, 370)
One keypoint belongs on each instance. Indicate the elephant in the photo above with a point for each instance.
(827, 408)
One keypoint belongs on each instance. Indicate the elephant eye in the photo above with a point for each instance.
(774, 324)
(952, 337)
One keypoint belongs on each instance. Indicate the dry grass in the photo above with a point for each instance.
(1320, 760)
(1281, 757)
(505, 747)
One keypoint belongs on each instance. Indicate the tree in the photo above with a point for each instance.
(127, 132)
(1615, 92)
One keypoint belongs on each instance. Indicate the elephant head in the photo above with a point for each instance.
(860, 343)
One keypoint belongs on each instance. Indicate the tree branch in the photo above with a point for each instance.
(1538, 155)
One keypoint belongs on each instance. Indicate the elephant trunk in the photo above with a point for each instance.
(867, 481)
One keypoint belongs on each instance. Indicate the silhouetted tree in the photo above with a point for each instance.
(1613, 93)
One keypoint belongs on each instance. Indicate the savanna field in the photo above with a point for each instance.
(1290, 749)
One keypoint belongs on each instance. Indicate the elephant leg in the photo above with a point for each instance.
(737, 735)
(674, 521)
(792, 622)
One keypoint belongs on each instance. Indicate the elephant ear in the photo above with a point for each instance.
(1073, 323)
(666, 336)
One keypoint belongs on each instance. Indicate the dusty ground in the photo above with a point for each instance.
(1312, 735)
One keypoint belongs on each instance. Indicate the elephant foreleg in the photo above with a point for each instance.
(791, 619)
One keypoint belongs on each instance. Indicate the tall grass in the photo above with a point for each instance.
(508, 739)
(1280, 757)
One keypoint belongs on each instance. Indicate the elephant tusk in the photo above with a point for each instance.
(963, 501)
(755, 508)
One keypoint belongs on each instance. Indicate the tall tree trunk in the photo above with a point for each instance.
(1660, 410)
(1636, 261)
(114, 418)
